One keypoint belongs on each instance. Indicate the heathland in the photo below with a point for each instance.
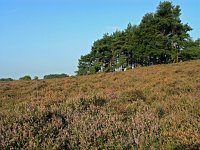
(155, 107)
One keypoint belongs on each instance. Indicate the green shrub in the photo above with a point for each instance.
(27, 77)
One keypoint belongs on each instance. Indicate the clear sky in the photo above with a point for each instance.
(39, 37)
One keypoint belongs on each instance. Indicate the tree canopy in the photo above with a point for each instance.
(53, 76)
(161, 37)
(6, 79)
(26, 77)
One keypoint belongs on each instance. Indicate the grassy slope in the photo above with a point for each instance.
(150, 107)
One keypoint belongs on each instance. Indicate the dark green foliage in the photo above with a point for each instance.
(160, 38)
(160, 112)
(53, 76)
(36, 78)
(6, 79)
(98, 101)
(27, 77)
(192, 51)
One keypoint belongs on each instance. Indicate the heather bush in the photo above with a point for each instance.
(84, 124)
(146, 108)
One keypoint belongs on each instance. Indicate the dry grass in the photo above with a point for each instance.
(155, 107)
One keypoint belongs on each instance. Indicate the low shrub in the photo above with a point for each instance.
(133, 95)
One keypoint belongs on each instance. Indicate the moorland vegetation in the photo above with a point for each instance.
(154, 107)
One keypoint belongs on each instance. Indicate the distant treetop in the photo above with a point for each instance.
(53, 76)
(6, 79)
(26, 77)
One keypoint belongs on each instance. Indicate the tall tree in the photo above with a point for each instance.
(171, 27)
(162, 35)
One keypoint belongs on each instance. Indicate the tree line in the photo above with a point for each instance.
(28, 77)
(160, 38)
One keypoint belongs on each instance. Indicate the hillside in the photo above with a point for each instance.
(156, 107)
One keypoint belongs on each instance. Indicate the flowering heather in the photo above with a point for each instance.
(154, 107)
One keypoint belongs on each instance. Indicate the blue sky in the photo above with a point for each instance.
(39, 37)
